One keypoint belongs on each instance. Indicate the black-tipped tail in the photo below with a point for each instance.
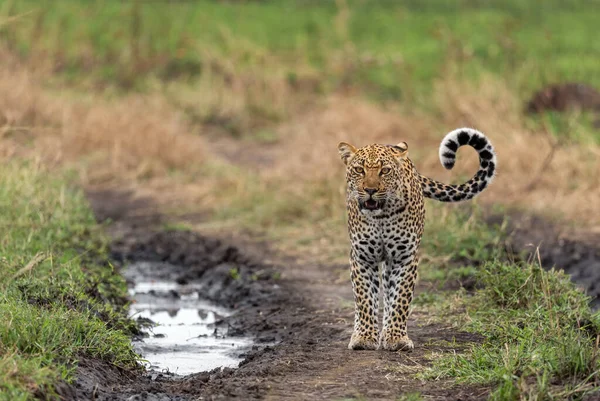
(448, 148)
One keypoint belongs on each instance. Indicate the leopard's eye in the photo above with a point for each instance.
(359, 170)
(386, 170)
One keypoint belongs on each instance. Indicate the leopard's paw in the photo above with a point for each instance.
(399, 343)
(363, 342)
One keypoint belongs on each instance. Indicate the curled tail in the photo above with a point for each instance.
(484, 176)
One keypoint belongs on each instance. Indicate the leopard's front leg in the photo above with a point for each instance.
(399, 277)
(365, 284)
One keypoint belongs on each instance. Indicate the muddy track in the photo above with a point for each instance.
(299, 316)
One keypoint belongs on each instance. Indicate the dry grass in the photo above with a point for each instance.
(537, 171)
(122, 139)
(148, 136)
(243, 90)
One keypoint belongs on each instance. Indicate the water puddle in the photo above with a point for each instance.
(185, 338)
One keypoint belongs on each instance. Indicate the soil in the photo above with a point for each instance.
(300, 317)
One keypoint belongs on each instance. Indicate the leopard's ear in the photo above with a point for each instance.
(347, 152)
(400, 150)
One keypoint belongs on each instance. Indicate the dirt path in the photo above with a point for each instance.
(300, 315)
(313, 363)
(301, 323)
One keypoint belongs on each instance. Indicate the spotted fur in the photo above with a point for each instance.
(386, 217)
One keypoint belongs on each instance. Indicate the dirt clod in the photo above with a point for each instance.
(563, 97)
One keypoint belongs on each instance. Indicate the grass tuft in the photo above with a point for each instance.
(541, 336)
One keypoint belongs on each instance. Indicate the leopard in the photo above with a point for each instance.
(385, 202)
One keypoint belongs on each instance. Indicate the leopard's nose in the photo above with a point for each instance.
(370, 191)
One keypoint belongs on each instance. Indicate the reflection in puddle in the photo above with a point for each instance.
(184, 339)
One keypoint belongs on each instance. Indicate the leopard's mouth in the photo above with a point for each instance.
(371, 204)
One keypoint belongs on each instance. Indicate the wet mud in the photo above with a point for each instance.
(298, 316)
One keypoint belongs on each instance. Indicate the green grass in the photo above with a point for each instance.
(59, 299)
(455, 242)
(541, 338)
(391, 49)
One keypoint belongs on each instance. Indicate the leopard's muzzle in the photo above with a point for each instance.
(371, 204)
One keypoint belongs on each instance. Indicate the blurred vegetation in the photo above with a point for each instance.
(391, 49)
(263, 54)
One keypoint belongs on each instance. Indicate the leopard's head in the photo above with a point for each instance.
(373, 173)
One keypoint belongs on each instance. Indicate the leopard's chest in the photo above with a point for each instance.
(387, 236)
